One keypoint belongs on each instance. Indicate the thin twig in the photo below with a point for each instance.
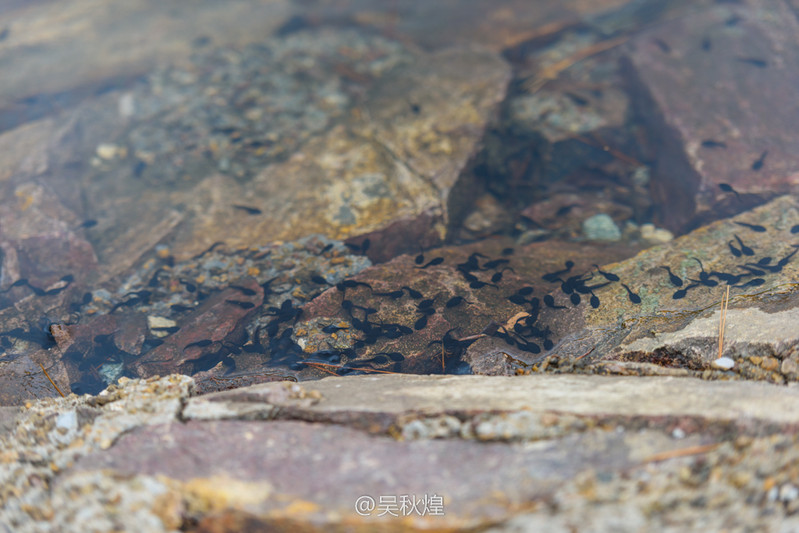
(50, 379)
(725, 302)
(682, 452)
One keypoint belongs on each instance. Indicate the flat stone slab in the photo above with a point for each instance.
(328, 468)
(463, 452)
(362, 397)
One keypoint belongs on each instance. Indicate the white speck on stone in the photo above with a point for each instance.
(788, 492)
(67, 421)
(678, 433)
(723, 363)
(107, 151)
(601, 227)
(772, 494)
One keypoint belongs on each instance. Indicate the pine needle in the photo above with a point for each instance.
(725, 302)
(50, 379)
(682, 452)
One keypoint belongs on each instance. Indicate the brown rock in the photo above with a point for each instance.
(40, 242)
(715, 101)
(25, 377)
(366, 175)
(481, 308)
(218, 320)
(289, 474)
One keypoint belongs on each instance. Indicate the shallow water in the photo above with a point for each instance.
(204, 189)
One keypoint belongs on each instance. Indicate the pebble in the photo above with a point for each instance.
(769, 363)
(655, 235)
(723, 363)
(107, 151)
(789, 367)
(601, 228)
(788, 492)
(154, 321)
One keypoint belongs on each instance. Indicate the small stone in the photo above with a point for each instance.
(723, 363)
(678, 433)
(601, 227)
(740, 479)
(533, 235)
(655, 235)
(154, 321)
(788, 492)
(789, 367)
(770, 364)
(107, 151)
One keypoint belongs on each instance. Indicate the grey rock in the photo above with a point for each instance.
(601, 228)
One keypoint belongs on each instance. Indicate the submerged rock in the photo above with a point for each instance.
(670, 318)
(362, 133)
(419, 314)
(713, 89)
(601, 228)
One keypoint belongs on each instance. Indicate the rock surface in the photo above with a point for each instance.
(678, 327)
(714, 89)
(53, 49)
(380, 139)
(456, 296)
(147, 456)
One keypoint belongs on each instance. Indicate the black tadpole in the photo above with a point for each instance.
(754, 227)
(550, 302)
(432, 262)
(744, 248)
(758, 164)
(552, 276)
(711, 143)
(726, 187)
(455, 301)
(607, 275)
(733, 250)
(247, 209)
(675, 280)
(634, 298)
